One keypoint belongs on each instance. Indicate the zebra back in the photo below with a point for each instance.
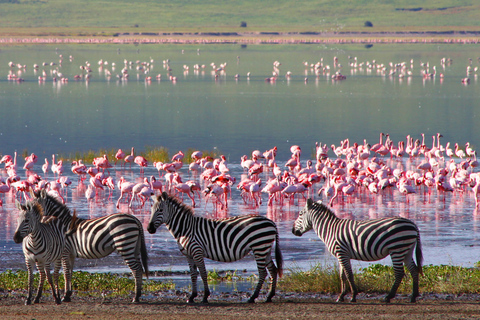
(366, 240)
(220, 239)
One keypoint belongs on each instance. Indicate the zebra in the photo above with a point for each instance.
(97, 238)
(368, 240)
(223, 240)
(42, 244)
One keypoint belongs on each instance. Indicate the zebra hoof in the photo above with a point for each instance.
(413, 299)
(28, 302)
(251, 300)
(387, 300)
(66, 299)
(269, 300)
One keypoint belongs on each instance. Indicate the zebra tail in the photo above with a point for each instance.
(278, 257)
(419, 255)
(143, 252)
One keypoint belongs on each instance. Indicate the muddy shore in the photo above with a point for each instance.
(172, 305)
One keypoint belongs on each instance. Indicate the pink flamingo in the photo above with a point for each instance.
(125, 187)
(459, 152)
(79, 168)
(102, 163)
(156, 184)
(96, 183)
(137, 188)
(185, 189)
(89, 193)
(45, 167)
(178, 156)
(142, 162)
(57, 167)
(129, 158)
(120, 155)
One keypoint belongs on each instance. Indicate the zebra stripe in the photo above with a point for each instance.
(368, 240)
(42, 245)
(223, 240)
(97, 238)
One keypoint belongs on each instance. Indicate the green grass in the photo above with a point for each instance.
(152, 154)
(321, 279)
(106, 17)
(85, 283)
(379, 279)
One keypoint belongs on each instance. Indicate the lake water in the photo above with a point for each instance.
(237, 115)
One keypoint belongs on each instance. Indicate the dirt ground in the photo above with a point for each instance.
(283, 307)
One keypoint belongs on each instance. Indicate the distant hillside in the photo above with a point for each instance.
(90, 16)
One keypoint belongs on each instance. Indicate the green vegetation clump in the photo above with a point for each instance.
(152, 154)
(379, 278)
(86, 283)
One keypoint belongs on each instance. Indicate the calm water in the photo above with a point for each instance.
(236, 116)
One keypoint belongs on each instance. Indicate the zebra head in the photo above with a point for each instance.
(30, 217)
(303, 222)
(158, 210)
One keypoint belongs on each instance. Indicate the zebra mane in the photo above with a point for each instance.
(176, 202)
(73, 224)
(60, 209)
(319, 208)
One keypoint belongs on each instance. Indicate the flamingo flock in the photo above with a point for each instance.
(334, 174)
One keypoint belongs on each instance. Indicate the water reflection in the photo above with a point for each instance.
(448, 223)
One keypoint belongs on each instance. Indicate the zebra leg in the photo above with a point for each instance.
(136, 267)
(41, 270)
(30, 282)
(343, 285)
(56, 271)
(399, 273)
(412, 267)
(67, 263)
(194, 276)
(273, 273)
(262, 274)
(203, 273)
(50, 282)
(347, 274)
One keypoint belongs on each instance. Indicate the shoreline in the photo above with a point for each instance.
(255, 38)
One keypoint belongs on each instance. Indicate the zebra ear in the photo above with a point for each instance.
(309, 203)
(43, 193)
(20, 206)
(164, 195)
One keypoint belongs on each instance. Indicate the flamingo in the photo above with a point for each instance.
(141, 161)
(184, 188)
(120, 155)
(137, 188)
(178, 156)
(57, 167)
(155, 184)
(129, 158)
(125, 187)
(459, 152)
(89, 193)
(45, 167)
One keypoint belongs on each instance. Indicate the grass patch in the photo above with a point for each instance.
(215, 277)
(151, 154)
(86, 283)
(378, 278)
